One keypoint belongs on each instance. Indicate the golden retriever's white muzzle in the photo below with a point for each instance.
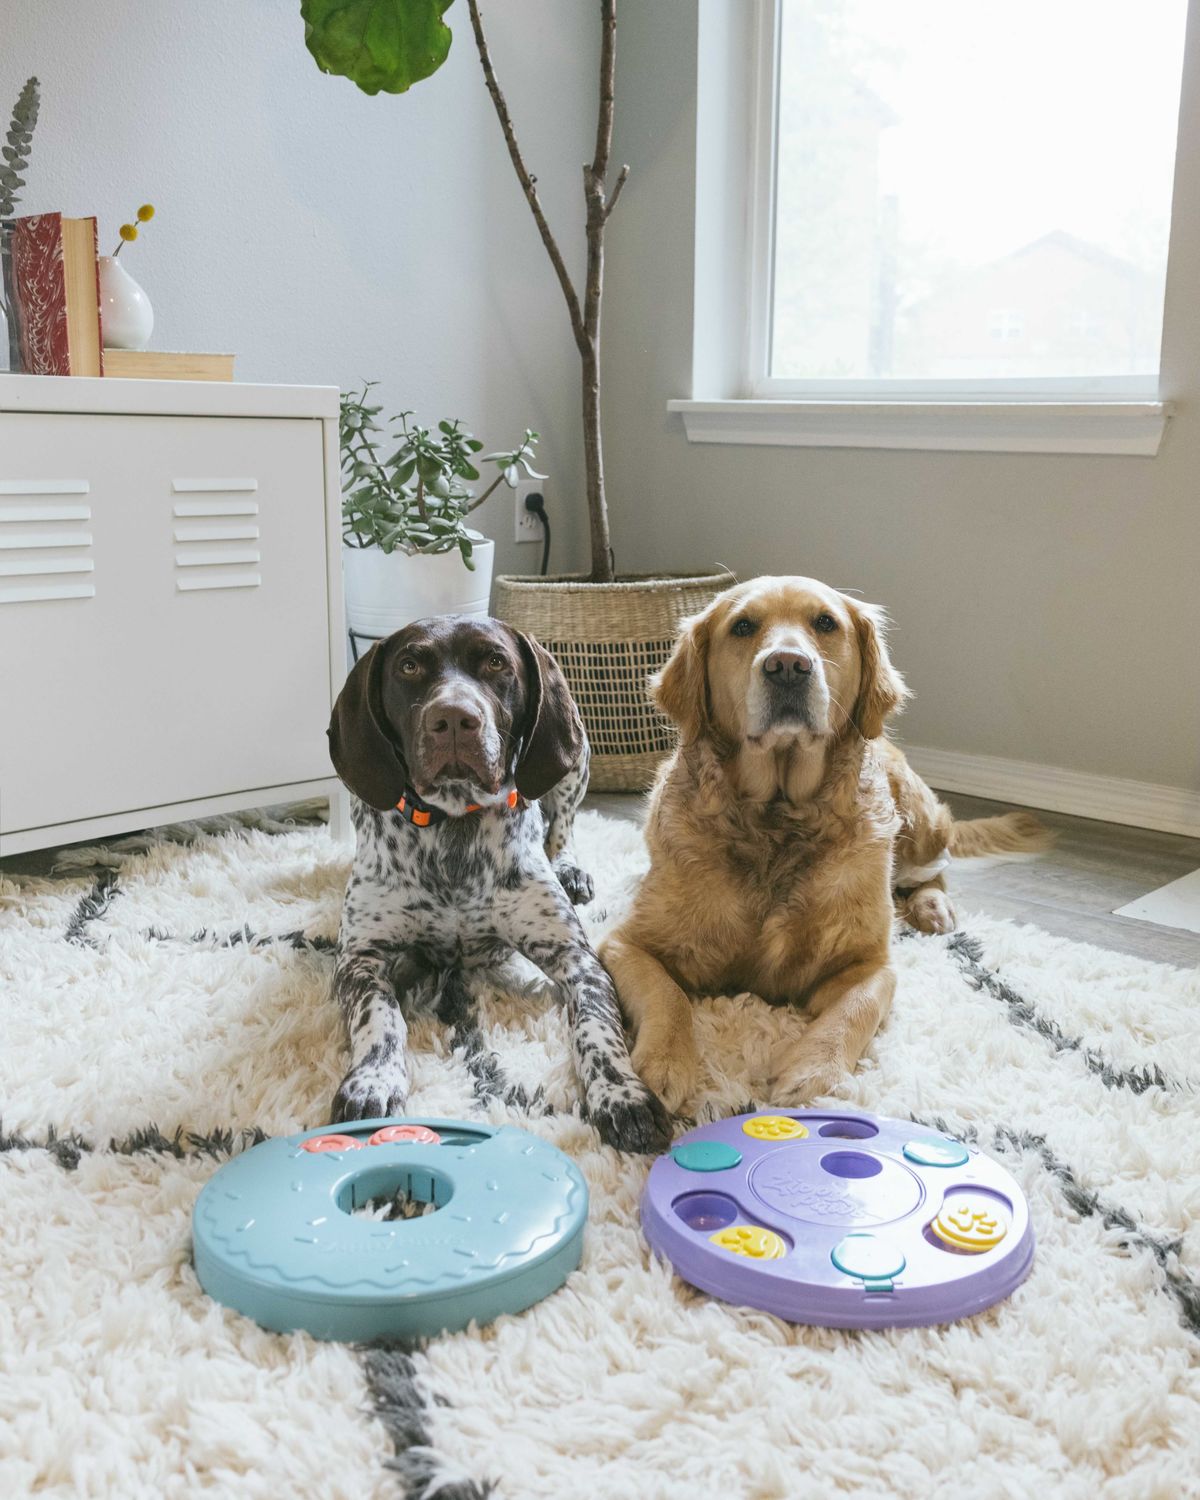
(787, 694)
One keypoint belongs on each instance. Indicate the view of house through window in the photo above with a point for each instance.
(973, 191)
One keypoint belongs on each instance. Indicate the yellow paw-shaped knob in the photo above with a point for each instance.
(748, 1239)
(775, 1128)
(970, 1223)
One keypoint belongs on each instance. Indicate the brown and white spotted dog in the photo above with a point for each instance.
(467, 760)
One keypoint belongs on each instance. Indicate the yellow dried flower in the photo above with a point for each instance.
(130, 231)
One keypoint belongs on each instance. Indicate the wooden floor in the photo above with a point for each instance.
(1072, 891)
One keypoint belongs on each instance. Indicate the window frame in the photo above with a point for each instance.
(756, 382)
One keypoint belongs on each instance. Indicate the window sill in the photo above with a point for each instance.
(1126, 428)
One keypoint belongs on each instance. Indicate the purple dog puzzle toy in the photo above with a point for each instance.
(845, 1220)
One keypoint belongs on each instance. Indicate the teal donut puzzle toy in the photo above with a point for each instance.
(275, 1235)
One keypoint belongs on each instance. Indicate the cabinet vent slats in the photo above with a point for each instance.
(212, 486)
(204, 557)
(12, 567)
(11, 539)
(45, 512)
(43, 487)
(211, 579)
(205, 529)
(216, 507)
(216, 531)
(34, 541)
(27, 594)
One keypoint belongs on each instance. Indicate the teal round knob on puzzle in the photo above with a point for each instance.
(276, 1235)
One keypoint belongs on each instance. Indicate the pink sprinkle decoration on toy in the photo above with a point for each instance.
(331, 1143)
(421, 1134)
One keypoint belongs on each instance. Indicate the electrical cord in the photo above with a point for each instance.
(536, 506)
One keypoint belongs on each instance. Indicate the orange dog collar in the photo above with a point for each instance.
(413, 810)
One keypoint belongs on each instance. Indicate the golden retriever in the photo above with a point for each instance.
(784, 833)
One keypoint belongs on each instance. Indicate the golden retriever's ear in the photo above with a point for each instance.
(881, 688)
(681, 688)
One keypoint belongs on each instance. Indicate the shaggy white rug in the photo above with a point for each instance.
(162, 1007)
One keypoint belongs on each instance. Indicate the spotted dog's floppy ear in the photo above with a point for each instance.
(363, 754)
(681, 688)
(552, 740)
(881, 688)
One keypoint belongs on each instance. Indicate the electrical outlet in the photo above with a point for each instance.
(526, 526)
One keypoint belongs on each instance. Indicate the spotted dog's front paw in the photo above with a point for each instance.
(576, 882)
(369, 1093)
(633, 1122)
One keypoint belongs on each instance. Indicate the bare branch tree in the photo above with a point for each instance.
(585, 318)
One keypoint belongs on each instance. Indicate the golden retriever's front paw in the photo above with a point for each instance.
(803, 1076)
(668, 1066)
(930, 910)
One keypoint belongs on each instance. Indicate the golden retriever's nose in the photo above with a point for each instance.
(787, 665)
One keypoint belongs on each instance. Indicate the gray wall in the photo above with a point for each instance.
(1046, 608)
(321, 235)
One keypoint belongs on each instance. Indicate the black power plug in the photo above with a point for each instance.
(535, 504)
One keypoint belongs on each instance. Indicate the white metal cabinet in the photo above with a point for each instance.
(170, 604)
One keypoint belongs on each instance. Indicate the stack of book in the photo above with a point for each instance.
(161, 364)
(52, 293)
(52, 298)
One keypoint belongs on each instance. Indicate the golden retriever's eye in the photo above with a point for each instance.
(743, 627)
(496, 662)
(409, 667)
(825, 624)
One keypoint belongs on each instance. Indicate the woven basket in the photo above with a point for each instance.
(609, 638)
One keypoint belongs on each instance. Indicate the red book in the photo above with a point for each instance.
(54, 285)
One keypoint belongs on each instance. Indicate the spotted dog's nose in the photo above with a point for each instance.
(786, 665)
(452, 726)
(450, 718)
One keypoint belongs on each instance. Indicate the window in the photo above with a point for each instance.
(1086, 325)
(1006, 324)
(962, 198)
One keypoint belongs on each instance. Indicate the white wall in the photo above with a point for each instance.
(322, 235)
(1046, 608)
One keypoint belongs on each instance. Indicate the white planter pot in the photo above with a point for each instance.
(386, 591)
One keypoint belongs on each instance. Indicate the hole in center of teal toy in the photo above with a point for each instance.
(403, 1191)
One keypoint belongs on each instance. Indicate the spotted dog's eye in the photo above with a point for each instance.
(743, 627)
(825, 624)
(496, 662)
(409, 667)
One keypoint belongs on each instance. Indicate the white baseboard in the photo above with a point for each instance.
(1142, 804)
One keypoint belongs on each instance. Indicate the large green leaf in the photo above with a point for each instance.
(378, 44)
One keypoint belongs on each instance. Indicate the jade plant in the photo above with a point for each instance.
(416, 498)
(391, 44)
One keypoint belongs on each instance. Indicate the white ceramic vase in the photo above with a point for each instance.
(386, 591)
(126, 317)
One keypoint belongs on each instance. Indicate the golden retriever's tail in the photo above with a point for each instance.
(1011, 833)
